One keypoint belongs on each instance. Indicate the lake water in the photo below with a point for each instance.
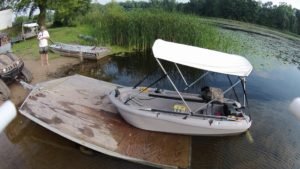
(273, 141)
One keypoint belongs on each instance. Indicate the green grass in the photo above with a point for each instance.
(29, 48)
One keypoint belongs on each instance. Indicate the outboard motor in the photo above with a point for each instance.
(232, 109)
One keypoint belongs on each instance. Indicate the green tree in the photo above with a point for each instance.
(4, 4)
(283, 16)
(65, 13)
(65, 7)
(297, 13)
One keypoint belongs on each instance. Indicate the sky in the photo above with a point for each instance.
(294, 3)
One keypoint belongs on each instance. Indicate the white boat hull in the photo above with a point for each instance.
(164, 122)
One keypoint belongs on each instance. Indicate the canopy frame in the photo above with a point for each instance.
(174, 86)
(240, 80)
(232, 87)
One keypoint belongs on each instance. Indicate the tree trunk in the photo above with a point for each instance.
(42, 15)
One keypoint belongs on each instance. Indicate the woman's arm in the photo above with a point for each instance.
(45, 35)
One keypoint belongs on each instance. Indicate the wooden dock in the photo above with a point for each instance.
(77, 108)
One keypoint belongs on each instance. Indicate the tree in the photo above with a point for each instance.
(283, 16)
(65, 7)
(297, 13)
(32, 5)
(66, 13)
(5, 4)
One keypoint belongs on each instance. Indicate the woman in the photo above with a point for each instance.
(43, 37)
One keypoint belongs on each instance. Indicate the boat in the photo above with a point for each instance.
(180, 112)
(29, 30)
(86, 52)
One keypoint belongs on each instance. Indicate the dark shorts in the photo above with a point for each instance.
(43, 50)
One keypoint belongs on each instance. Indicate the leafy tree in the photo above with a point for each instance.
(66, 13)
(297, 13)
(5, 4)
(65, 7)
(283, 16)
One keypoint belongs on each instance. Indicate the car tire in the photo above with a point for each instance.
(26, 75)
(4, 91)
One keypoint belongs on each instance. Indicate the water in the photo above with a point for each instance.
(272, 141)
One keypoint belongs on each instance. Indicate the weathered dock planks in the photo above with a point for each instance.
(77, 108)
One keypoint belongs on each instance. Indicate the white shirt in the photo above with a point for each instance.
(43, 38)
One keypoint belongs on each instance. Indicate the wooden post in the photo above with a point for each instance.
(81, 56)
(23, 34)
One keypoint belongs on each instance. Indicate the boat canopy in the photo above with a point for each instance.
(30, 25)
(201, 58)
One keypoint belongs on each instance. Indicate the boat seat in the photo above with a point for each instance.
(214, 108)
(177, 97)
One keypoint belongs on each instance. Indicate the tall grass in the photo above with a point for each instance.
(138, 29)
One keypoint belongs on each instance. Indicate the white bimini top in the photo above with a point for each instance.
(201, 58)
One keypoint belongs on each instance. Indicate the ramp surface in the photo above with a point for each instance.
(77, 108)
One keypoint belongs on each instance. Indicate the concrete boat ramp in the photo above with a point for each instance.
(77, 108)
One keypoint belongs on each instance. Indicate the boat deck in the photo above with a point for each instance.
(77, 108)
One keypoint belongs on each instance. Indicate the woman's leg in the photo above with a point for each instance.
(46, 58)
(42, 59)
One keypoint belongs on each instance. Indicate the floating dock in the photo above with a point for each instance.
(77, 108)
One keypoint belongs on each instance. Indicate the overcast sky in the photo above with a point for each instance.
(294, 3)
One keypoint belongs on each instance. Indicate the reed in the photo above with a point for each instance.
(138, 29)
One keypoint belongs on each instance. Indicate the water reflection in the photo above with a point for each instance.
(29, 146)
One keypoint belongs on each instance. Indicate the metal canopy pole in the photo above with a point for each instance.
(243, 79)
(174, 86)
(132, 97)
(201, 77)
(236, 96)
(181, 74)
(244, 89)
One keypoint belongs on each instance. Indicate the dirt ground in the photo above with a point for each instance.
(40, 74)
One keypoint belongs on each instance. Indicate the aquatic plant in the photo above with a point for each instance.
(138, 29)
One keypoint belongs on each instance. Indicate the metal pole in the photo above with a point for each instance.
(206, 73)
(244, 86)
(130, 98)
(236, 96)
(174, 86)
(181, 74)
